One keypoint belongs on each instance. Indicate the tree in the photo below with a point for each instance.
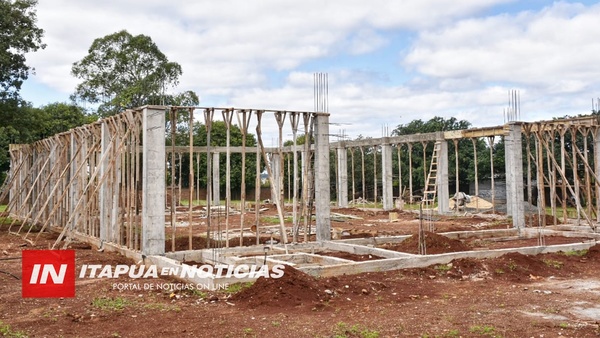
(465, 150)
(60, 117)
(124, 71)
(218, 138)
(23, 123)
(18, 35)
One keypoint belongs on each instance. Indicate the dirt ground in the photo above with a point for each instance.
(549, 295)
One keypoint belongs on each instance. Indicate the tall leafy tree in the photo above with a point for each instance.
(124, 71)
(18, 35)
(22, 123)
(60, 117)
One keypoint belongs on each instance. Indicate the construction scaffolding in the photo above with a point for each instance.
(141, 180)
(119, 181)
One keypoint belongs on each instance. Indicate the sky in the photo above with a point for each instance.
(388, 62)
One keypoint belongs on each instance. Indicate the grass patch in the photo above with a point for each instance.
(553, 263)
(343, 330)
(577, 253)
(3, 208)
(442, 268)
(452, 333)
(571, 212)
(111, 304)
(484, 330)
(237, 287)
(199, 293)
(249, 332)
(183, 202)
(6, 331)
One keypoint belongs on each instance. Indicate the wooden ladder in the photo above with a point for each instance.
(430, 190)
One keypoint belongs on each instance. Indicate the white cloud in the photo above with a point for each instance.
(459, 64)
(530, 49)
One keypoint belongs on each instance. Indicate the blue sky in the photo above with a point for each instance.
(388, 62)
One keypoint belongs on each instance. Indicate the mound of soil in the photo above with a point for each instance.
(593, 252)
(516, 267)
(293, 289)
(434, 244)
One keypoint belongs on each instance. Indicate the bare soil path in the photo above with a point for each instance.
(550, 295)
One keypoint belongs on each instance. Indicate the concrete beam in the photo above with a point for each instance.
(421, 261)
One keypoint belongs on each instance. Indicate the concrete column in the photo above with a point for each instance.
(322, 194)
(104, 196)
(386, 175)
(216, 180)
(342, 177)
(276, 170)
(153, 180)
(442, 179)
(514, 175)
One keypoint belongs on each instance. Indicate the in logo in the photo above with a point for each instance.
(48, 273)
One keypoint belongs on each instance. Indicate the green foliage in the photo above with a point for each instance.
(343, 330)
(218, 138)
(21, 123)
(435, 124)
(367, 158)
(60, 117)
(577, 253)
(442, 268)
(452, 333)
(237, 287)
(19, 36)
(6, 331)
(124, 71)
(484, 330)
(553, 263)
(110, 304)
(466, 152)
